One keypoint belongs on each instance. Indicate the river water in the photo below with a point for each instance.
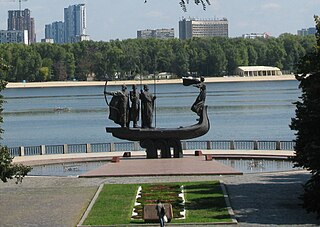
(78, 115)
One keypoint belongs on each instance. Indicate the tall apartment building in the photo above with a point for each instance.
(163, 33)
(14, 36)
(75, 23)
(20, 20)
(55, 31)
(307, 31)
(190, 28)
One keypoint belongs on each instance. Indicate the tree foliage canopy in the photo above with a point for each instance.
(8, 170)
(307, 125)
(124, 59)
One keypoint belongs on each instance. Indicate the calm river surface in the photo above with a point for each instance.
(78, 115)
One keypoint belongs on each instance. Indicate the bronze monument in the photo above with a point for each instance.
(163, 139)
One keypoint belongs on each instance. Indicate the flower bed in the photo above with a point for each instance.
(167, 193)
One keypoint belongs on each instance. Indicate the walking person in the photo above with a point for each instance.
(161, 212)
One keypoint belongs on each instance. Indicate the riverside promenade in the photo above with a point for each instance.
(130, 82)
(260, 199)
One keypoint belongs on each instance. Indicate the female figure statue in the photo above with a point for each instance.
(198, 104)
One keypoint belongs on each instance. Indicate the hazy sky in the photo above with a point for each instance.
(120, 19)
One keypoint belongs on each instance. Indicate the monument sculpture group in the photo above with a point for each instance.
(126, 107)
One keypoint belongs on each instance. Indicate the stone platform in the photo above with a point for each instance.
(191, 165)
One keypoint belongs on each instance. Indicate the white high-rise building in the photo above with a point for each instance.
(190, 28)
(74, 22)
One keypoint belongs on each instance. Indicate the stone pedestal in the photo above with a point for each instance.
(150, 212)
(164, 145)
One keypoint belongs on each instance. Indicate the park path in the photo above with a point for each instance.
(263, 199)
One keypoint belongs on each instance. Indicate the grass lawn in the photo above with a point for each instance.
(204, 203)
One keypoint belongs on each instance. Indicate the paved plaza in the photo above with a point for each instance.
(263, 199)
(189, 165)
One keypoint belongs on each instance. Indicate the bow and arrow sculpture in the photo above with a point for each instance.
(164, 139)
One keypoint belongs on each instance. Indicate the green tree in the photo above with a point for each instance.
(9, 170)
(43, 74)
(101, 66)
(275, 53)
(294, 51)
(252, 55)
(180, 64)
(234, 57)
(130, 61)
(306, 124)
(217, 61)
(85, 57)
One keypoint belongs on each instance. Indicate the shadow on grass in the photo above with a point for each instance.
(204, 189)
(205, 203)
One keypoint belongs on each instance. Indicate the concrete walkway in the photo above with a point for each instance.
(262, 199)
(76, 157)
(266, 199)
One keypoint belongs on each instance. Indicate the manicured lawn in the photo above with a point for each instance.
(113, 206)
(204, 203)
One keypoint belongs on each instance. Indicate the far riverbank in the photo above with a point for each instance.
(130, 82)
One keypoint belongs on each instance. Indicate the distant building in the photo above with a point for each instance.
(48, 31)
(258, 71)
(256, 35)
(14, 36)
(190, 28)
(47, 40)
(163, 33)
(80, 38)
(72, 29)
(307, 31)
(74, 22)
(55, 31)
(20, 20)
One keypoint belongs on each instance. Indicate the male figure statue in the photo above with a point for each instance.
(147, 107)
(135, 106)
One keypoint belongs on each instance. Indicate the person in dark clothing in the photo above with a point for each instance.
(161, 212)
(135, 106)
(147, 107)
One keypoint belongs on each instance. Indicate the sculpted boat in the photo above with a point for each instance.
(154, 139)
(181, 133)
